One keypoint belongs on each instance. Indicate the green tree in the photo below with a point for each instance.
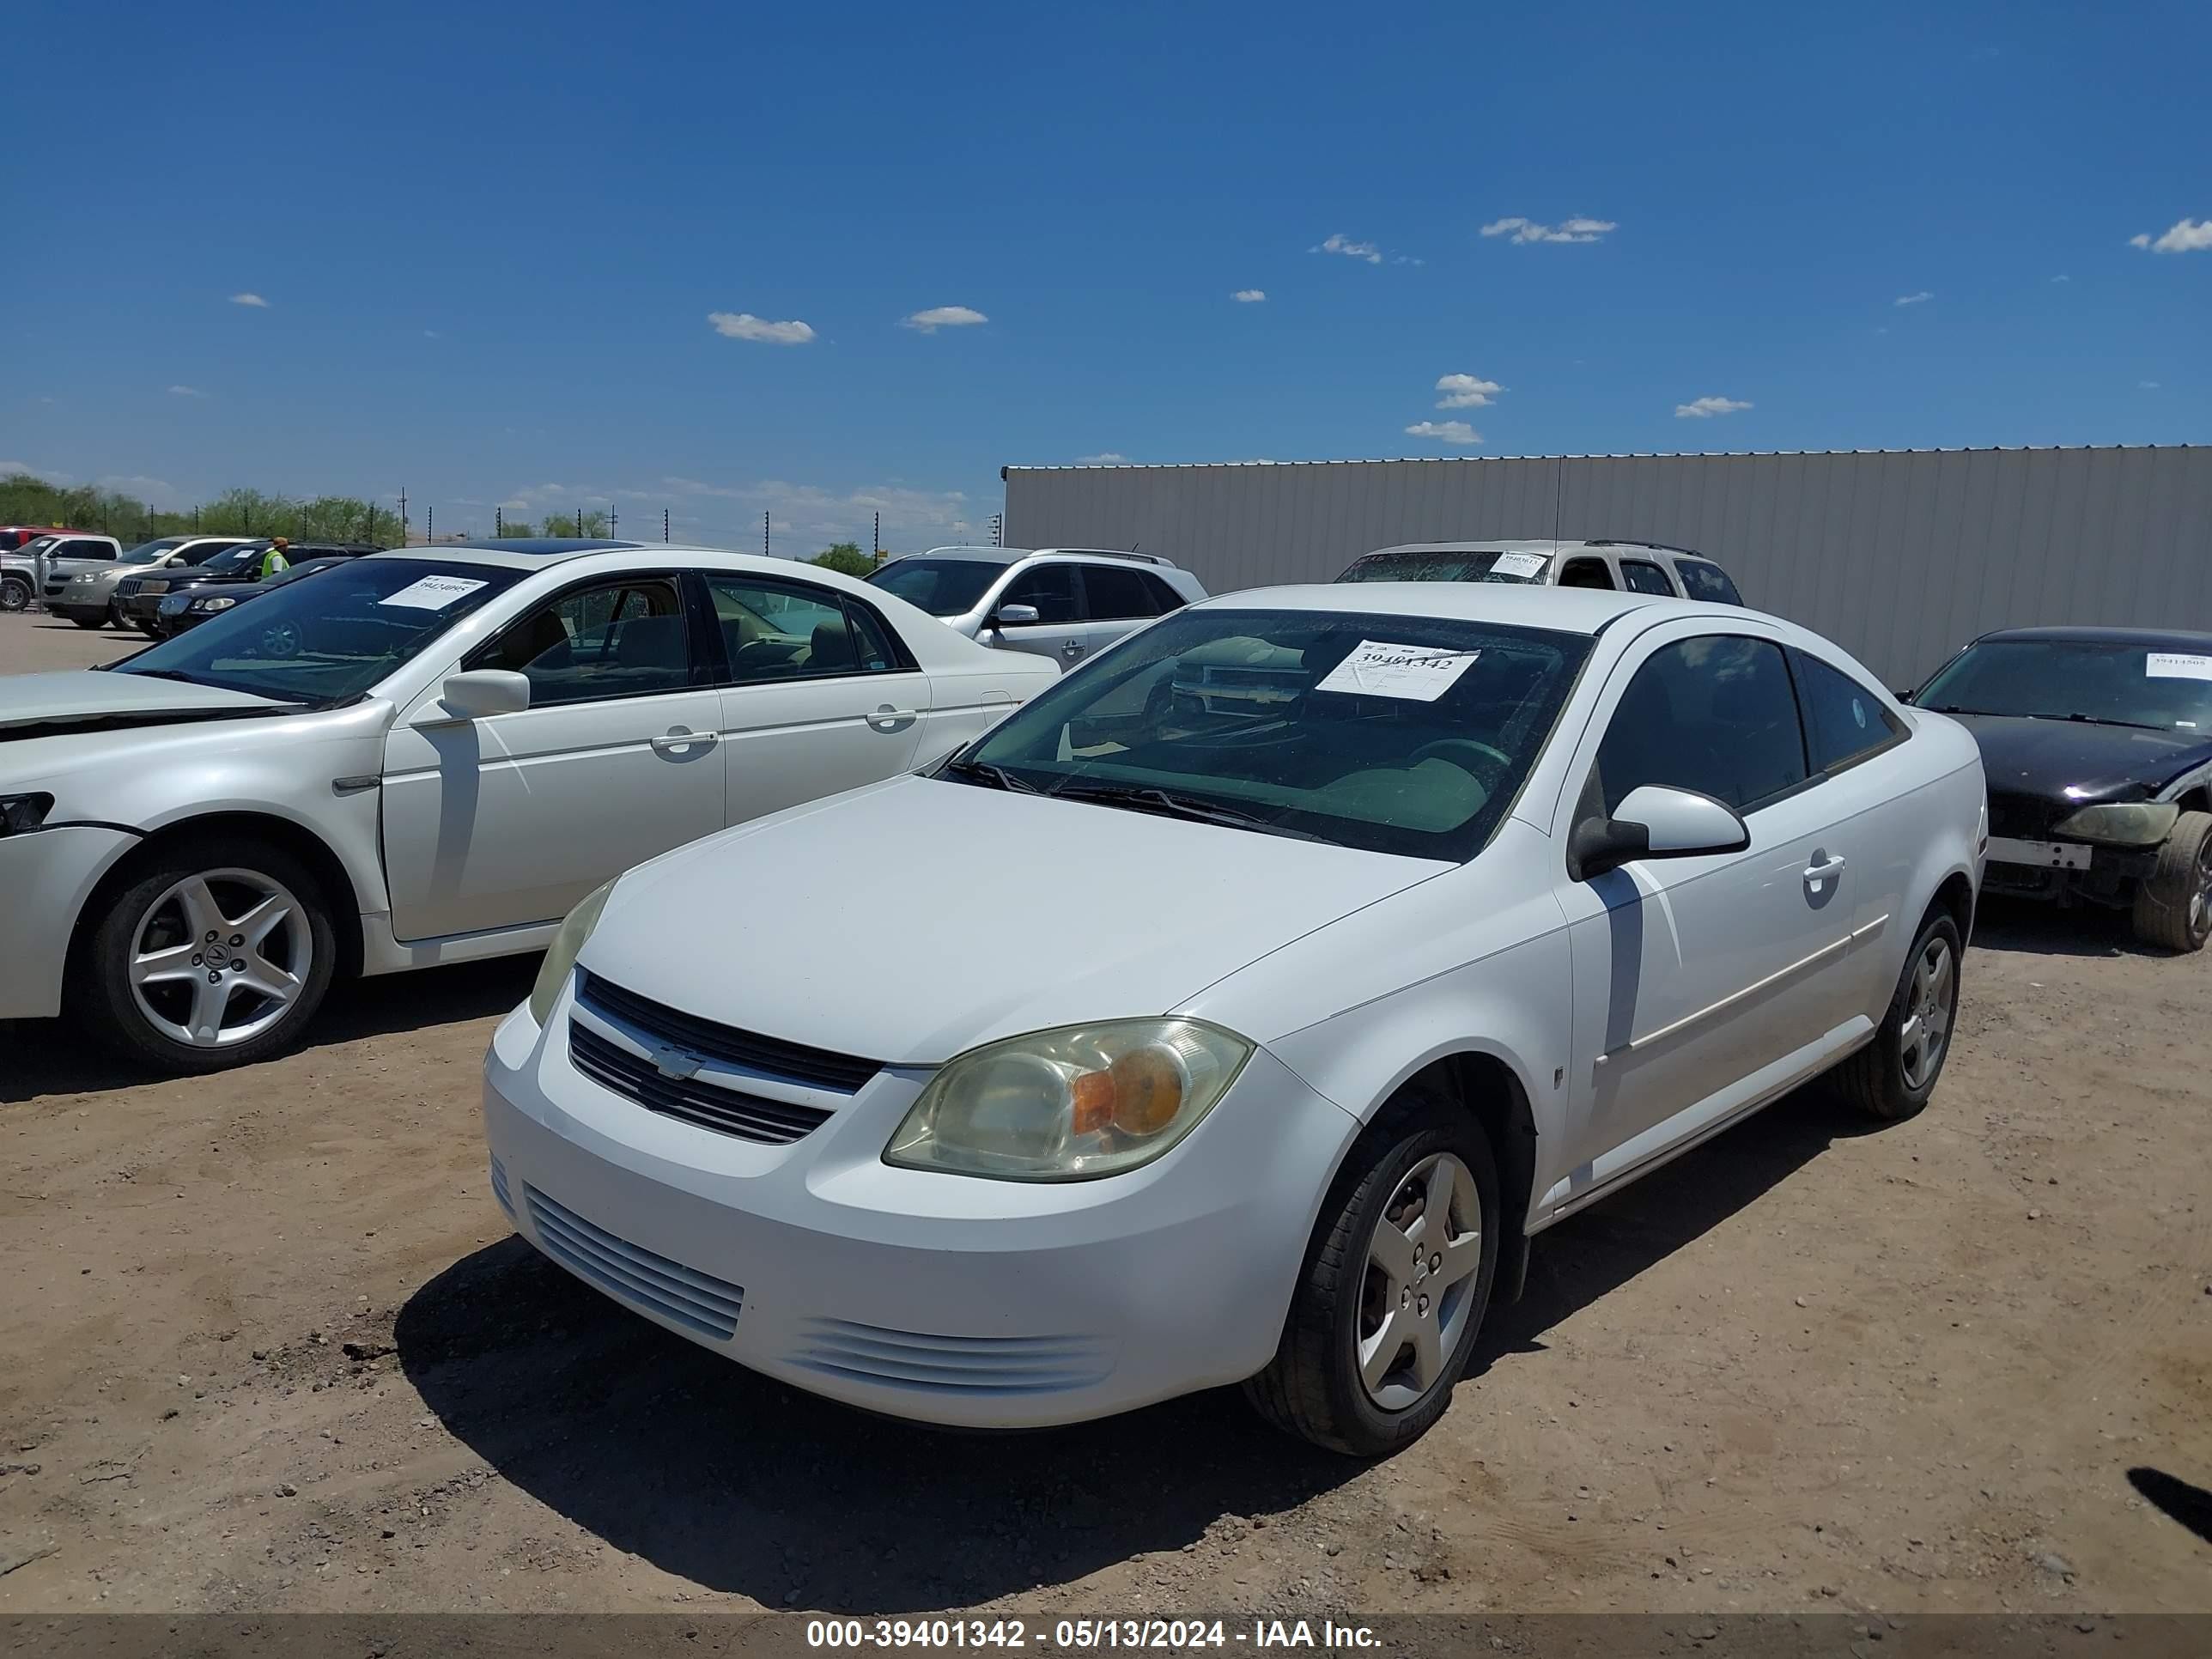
(518, 528)
(846, 558)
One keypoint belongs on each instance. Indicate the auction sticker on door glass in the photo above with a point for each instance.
(2177, 665)
(1420, 673)
(433, 593)
(1518, 564)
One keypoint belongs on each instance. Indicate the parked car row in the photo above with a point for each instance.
(1398, 918)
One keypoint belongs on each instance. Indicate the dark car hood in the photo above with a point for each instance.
(2039, 770)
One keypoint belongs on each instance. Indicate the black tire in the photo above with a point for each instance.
(115, 617)
(101, 985)
(2173, 903)
(89, 622)
(150, 630)
(1879, 1079)
(14, 593)
(1312, 1389)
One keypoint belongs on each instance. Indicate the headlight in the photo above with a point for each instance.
(1069, 1105)
(561, 955)
(21, 813)
(2136, 824)
(76, 581)
(221, 602)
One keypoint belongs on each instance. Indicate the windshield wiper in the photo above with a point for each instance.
(997, 776)
(1150, 798)
(2101, 720)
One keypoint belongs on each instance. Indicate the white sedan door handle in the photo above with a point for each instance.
(888, 719)
(1817, 873)
(670, 742)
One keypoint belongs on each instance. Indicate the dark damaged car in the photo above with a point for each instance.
(2098, 746)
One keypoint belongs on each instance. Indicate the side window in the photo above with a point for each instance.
(1707, 581)
(86, 550)
(1113, 593)
(1845, 722)
(615, 639)
(1049, 587)
(1645, 577)
(1585, 573)
(1715, 714)
(778, 631)
(1164, 598)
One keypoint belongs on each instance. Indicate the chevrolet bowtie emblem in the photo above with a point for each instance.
(677, 1063)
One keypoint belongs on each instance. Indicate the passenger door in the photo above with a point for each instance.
(1698, 982)
(1118, 600)
(509, 820)
(1060, 631)
(818, 693)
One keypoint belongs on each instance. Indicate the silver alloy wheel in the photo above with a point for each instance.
(1926, 1029)
(14, 593)
(220, 957)
(1420, 1284)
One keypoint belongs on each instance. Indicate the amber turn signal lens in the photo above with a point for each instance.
(1093, 1095)
(1147, 1092)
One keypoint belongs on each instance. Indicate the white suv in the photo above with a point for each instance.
(1064, 603)
(1618, 566)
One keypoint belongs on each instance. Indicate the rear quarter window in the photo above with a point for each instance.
(1702, 580)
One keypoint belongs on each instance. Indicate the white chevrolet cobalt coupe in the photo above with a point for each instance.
(429, 756)
(1373, 929)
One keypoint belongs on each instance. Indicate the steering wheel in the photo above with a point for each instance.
(1455, 749)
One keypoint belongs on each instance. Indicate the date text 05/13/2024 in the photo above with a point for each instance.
(1085, 1634)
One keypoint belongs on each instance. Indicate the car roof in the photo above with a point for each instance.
(1567, 610)
(2172, 638)
(633, 555)
(1537, 546)
(980, 554)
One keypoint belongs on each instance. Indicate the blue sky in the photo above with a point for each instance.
(490, 241)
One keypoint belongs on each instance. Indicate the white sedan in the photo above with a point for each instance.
(429, 756)
(1366, 932)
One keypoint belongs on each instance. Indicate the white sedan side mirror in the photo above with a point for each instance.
(1014, 616)
(483, 691)
(1655, 822)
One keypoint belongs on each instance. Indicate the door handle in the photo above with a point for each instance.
(668, 743)
(1817, 873)
(1073, 648)
(888, 719)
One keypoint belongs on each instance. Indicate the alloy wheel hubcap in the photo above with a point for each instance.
(220, 957)
(1420, 1284)
(2200, 901)
(1926, 1029)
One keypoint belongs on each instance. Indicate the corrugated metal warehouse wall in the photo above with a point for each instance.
(1899, 556)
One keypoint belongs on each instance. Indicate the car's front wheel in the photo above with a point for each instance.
(213, 955)
(14, 593)
(2173, 903)
(1395, 1284)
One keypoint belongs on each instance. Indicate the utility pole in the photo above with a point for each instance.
(498, 522)
(430, 526)
(663, 524)
(876, 546)
(403, 516)
(196, 520)
(998, 529)
(614, 521)
(764, 552)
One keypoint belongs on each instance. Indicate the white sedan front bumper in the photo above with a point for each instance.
(45, 876)
(941, 1298)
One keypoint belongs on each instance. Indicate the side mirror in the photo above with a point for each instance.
(1905, 695)
(1655, 822)
(484, 691)
(1014, 616)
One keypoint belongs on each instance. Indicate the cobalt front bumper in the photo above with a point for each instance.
(941, 1298)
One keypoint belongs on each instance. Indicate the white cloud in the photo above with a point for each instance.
(1465, 391)
(937, 317)
(744, 325)
(2061, 277)
(1704, 408)
(1249, 297)
(1445, 432)
(1338, 242)
(1577, 230)
(2187, 236)
(186, 391)
(2148, 386)
(1919, 298)
(253, 300)
(1109, 458)
(8, 469)
(431, 334)
(157, 493)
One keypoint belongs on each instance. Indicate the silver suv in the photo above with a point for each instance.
(1064, 603)
(1625, 566)
(82, 588)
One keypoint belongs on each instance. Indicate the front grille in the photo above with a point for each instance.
(499, 1189)
(953, 1364)
(129, 585)
(698, 1301)
(709, 1105)
(2024, 817)
(725, 1045)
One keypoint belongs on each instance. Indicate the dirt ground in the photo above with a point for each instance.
(268, 1344)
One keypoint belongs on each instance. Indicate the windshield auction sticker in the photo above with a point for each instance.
(1518, 564)
(433, 593)
(2177, 665)
(1420, 672)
